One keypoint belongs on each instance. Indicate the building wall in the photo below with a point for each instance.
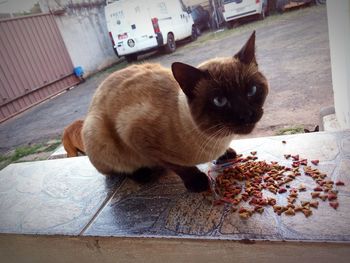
(338, 13)
(83, 28)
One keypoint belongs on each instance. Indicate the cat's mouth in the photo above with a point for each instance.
(230, 129)
(243, 129)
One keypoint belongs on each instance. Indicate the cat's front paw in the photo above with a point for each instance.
(198, 183)
(230, 154)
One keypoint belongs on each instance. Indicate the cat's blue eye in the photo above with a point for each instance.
(252, 91)
(220, 101)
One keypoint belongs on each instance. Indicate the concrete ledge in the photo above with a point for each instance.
(64, 249)
(328, 120)
(59, 153)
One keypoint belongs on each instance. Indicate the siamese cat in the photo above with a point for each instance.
(146, 116)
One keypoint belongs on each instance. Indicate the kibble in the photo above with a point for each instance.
(290, 211)
(334, 204)
(339, 183)
(315, 162)
(246, 179)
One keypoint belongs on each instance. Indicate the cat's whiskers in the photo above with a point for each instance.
(205, 135)
(204, 143)
(208, 140)
(201, 136)
(218, 140)
(195, 128)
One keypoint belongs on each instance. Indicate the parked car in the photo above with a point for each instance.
(136, 27)
(233, 10)
(201, 18)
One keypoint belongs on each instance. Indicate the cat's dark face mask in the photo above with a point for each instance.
(225, 96)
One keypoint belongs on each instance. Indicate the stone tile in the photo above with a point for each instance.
(193, 215)
(258, 226)
(326, 224)
(322, 146)
(165, 209)
(345, 145)
(343, 174)
(51, 197)
(63, 196)
(136, 209)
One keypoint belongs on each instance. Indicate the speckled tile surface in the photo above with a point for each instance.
(68, 196)
(166, 209)
(51, 197)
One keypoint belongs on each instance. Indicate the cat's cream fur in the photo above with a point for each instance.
(139, 117)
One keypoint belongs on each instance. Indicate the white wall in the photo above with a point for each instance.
(338, 13)
(84, 31)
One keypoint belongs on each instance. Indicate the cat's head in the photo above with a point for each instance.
(225, 94)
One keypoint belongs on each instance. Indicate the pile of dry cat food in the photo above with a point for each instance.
(242, 184)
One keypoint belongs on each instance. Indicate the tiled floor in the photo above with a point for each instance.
(52, 197)
(69, 197)
(165, 208)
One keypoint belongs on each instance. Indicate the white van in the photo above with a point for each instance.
(137, 26)
(235, 9)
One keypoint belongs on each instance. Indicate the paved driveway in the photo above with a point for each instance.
(292, 51)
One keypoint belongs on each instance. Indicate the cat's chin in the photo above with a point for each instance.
(244, 129)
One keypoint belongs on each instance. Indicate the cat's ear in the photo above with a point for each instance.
(187, 77)
(247, 53)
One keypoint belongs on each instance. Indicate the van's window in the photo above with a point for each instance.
(162, 8)
(230, 1)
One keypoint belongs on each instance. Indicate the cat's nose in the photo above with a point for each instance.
(246, 117)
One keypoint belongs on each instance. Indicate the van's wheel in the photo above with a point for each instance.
(131, 58)
(262, 14)
(230, 24)
(195, 33)
(280, 5)
(208, 25)
(116, 52)
(170, 46)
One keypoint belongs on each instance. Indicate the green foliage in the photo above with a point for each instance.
(27, 150)
(290, 130)
(24, 151)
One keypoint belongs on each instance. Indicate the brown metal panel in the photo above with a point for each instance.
(22, 66)
(55, 48)
(33, 57)
(46, 73)
(52, 50)
(8, 64)
(59, 50)
(35, 64)
(37, 56)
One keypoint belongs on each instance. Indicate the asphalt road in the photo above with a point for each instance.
(292, 51)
